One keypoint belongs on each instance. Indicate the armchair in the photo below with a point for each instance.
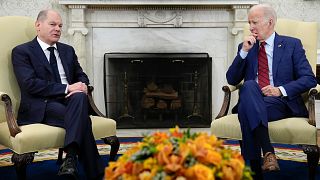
(295, 130)
(26, 140)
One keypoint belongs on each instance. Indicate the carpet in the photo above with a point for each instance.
(52, 154)
(284, 152)
(292, 161)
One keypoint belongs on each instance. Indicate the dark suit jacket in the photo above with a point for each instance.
(290, 69)
(36, 80)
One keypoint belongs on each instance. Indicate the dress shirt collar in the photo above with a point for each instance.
(44, 46)
(270, 40)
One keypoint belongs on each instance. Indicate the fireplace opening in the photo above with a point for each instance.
(158, 90)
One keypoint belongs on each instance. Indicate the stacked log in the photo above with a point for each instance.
(160, 98)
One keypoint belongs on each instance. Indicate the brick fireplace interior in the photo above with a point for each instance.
(158, 90)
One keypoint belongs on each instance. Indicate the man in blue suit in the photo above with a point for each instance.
(54, 92)
(272, 96)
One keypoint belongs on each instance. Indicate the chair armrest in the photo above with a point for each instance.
(11, 120)
(313, 92)
(227, 89)
(92, 104)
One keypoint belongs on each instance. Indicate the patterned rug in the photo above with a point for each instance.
(284, 152)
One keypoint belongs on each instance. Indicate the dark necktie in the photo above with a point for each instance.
(263, 69)
(54, 65)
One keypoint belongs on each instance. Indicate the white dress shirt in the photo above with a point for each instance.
(44, 46)
(269, 50)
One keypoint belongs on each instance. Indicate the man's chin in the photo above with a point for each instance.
(54, 40)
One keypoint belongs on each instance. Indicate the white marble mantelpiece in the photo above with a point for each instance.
(208, 26)
(158, 2)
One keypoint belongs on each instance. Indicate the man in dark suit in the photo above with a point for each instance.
(275, 72)
(54, 92)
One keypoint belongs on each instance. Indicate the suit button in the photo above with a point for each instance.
(45, 101)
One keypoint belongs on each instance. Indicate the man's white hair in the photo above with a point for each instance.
(268, 10)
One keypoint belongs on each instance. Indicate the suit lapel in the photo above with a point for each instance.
(63, 57)
(278, 52)
(39, 52)
(254, 58)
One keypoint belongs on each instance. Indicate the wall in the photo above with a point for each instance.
(294, 9)
(307, 10)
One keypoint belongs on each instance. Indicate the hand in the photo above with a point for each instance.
(79, 86)
(248, 43)
(271, 91)
(73, 92)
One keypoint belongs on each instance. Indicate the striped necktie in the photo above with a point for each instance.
(263, 69)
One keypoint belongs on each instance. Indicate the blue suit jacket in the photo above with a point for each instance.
(290, 69)
(36, 80)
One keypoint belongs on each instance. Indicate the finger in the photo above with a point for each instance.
(73, 92)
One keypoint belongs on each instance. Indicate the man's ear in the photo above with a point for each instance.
(271, 22)
(37, 25)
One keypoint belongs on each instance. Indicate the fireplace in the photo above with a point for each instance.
(153, 90)
(167, 26)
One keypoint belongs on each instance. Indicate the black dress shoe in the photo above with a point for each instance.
(68, 168)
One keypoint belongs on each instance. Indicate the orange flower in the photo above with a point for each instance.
(175, 132)
(160, 137)
(137, 168)
(184, 151)
(164, 153)
(200, 172)
(174, 164)
(213, 157)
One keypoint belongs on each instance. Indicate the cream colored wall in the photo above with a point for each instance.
(307, 10)
(31, 8)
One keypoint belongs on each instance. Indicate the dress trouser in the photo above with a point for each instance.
(254, 109)
(72, 114)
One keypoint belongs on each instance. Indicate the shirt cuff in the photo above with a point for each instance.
(243, 54)
(283, 91)
(66, 91)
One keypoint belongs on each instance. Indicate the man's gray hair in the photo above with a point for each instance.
(268, 10)
(42, 15)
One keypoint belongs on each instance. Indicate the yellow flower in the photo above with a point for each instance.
(145, 175)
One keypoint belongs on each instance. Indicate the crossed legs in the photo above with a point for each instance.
(254, 112)
(72, 114)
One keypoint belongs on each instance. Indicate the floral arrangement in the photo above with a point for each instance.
(181, 156)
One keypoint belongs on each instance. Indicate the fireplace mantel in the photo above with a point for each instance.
(157, 2)
(158, 26)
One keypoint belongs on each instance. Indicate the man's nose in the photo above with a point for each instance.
(58, 28)
(251, 28)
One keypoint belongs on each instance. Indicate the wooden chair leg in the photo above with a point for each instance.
(60, 153)
(113, 141)
(20, 162)
(313, 155)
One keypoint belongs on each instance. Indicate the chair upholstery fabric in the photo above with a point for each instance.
(16, 30)
(284, 131)
(291, 130)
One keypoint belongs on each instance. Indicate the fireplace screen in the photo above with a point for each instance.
(158, 90)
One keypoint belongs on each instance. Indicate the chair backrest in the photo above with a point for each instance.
(14, 30)
(307, 32)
